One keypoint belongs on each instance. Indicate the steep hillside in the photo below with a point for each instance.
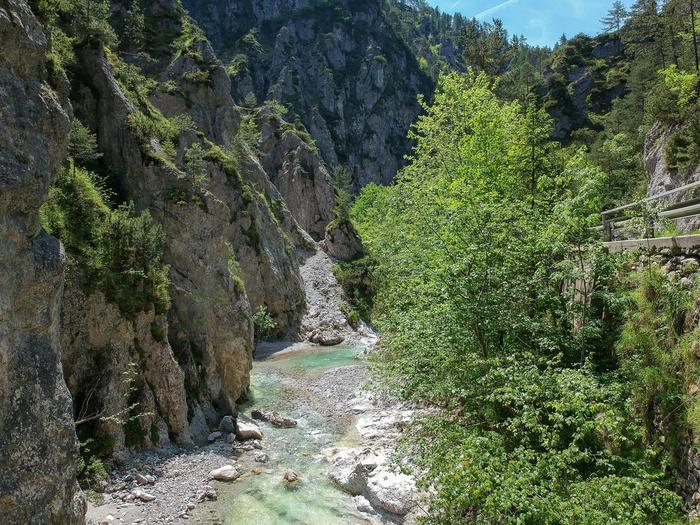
(338, 66)
(581, 82)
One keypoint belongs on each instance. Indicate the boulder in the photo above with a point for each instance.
(227, 424)
(142, 495)
(347, 472)
(225, 473)
(214, 436)
(391, 491)
(246, 429)
(274, 418)
(290, 476)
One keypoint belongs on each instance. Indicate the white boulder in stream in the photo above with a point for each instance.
(391, 491)
(246, 429)
(361, 472)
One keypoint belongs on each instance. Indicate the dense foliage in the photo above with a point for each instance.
(119, 250)
(496, 306)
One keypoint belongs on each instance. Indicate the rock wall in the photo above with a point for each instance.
(338, 66)
(209, 323)
(120, 368)
(662, 178)
(584, 77)
(38, 447)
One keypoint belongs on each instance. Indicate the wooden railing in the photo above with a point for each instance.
(616, 217)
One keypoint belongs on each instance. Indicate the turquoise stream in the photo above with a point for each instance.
(280, 382)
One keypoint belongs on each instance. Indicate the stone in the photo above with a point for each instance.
(230, 438)
(362, 504)
(689, 266)
(142, 495)
(214, 436)
(225, 473)
(261, 457)
(227, 425)
(246, 429)
(141, 479)
(274, 418)
(391, 491)
(208, 493)
(346, 471)
(290, 476)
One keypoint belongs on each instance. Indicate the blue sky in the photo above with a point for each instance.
(541, 21)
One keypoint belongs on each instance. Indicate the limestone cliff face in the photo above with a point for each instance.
(230, 243)
(662, 176)
(38, 447)
(123, 368)
(338, 66)
(296, 170)
(209, 323)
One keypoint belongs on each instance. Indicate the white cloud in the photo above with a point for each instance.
(496, 8)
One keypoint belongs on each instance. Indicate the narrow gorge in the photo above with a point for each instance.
(341, 262)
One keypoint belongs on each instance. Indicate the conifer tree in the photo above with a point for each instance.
(616, 17)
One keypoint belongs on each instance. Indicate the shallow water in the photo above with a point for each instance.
(278, 383)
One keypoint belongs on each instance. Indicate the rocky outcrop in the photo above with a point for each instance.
(296, 170)
(584, 77)
(661, 177)
(342, 241)
(38, 447)
(209, 328)
(126, 384)
(369, 471)
(338, 66)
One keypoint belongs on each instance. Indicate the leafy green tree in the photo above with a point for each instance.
(264, 324)
(489, 297)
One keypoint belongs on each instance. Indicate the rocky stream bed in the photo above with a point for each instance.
(326, 460)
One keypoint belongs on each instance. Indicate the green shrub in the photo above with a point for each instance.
(134, 275)
(359, 283)
(119, 250)
(264, 324)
